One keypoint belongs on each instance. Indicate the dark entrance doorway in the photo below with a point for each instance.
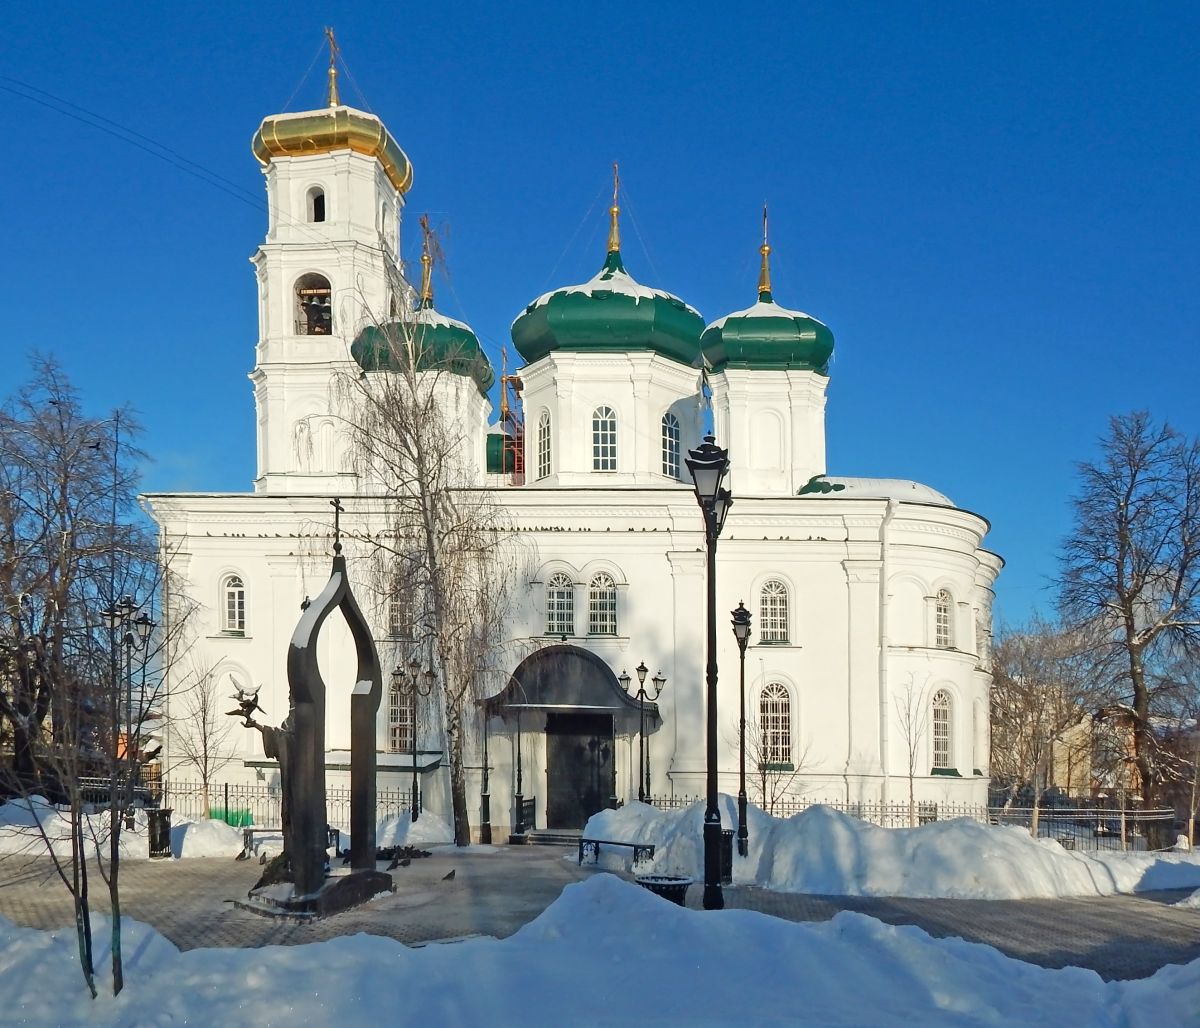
(579, 767)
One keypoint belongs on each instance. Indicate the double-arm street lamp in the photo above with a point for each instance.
(133, 633)
(658, 681)
(741, 632)
(709, 464)
(419, 683)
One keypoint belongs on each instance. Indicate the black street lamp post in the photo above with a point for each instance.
(415, 678)
(485, 795)
(133, 634)
(709, 464)
(658, 681)
(741, 632)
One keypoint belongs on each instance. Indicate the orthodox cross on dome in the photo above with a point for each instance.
(338, 510)
(332, 99)
(614, 228)
(764, 273)
(426, 264)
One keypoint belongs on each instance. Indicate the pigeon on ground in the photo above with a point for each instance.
(262, 859)
(447, 877)
(406, 861)
(346, 858)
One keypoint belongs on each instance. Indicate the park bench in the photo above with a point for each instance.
(249, 832)
(641, 850)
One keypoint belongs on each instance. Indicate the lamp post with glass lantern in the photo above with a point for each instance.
(133, 634)
(658, 681)
(709, 464)
(415, 677)
(741, 632)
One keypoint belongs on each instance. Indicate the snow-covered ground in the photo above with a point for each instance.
(19, 833)
(606, 952)
(826, 852)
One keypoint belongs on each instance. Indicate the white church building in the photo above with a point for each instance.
(867, 663)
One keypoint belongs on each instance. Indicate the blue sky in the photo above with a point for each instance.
(993, 206)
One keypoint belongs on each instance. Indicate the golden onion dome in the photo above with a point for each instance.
(333, 128)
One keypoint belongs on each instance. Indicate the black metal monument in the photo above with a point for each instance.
(299, 746)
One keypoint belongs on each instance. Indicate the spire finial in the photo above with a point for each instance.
(764, 273)
(614, 228)
(332, 99)
(426, 264)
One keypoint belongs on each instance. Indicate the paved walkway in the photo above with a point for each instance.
(495, 891)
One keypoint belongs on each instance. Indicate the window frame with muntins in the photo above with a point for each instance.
(545, 452)
(775, 726)
(941, 721)
(560, 605)
(233, 604)
(604, 439)
(671, 437)
(943, 620)
(602, 605)
(773, 604)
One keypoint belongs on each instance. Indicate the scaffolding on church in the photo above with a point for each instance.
(512, 423)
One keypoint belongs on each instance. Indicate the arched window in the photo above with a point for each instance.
(233, 605)
(775, 725)
(979, 738)
(604, 439)
(399, 613)
(943, 730)
(543, 445)
(400, 726)
(773, 612)
(560, 605)
(944, 620)
(316, 204)
(314, 307)
(670, 445)
(602, 605)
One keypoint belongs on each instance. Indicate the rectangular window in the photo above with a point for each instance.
(604, 439)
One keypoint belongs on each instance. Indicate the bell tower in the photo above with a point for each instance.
(329, 265)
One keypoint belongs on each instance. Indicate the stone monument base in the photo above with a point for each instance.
(340, 891)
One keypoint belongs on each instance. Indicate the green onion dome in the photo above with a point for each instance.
(767, 336)
(609, 313)
(439, 343)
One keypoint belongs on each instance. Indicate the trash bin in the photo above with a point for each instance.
(670, 887)
(160, 832)
(727, 856)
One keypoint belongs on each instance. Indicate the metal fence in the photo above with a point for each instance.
(245, 805)
(1093, 828)
(886, 815)
(1075, 828)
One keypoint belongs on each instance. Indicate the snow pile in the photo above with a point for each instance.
(205, 839)
(825, 852)
(1190, 901)
(606, 952)
(20, 831)
(402, 830)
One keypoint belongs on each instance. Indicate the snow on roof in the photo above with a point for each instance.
(612, 281)
(766, 310)
(429, 316)
(888, 488)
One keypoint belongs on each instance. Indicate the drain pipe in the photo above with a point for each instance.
(884, 706)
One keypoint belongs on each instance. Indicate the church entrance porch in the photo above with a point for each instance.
(580, 767)
(570, 726)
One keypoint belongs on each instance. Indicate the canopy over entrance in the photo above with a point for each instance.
(566, 678)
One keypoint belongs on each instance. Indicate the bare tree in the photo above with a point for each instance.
(201, 728)
(71, 543)
(1044, 685)
(1131, 572)
(443, 548)
(912, 717)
